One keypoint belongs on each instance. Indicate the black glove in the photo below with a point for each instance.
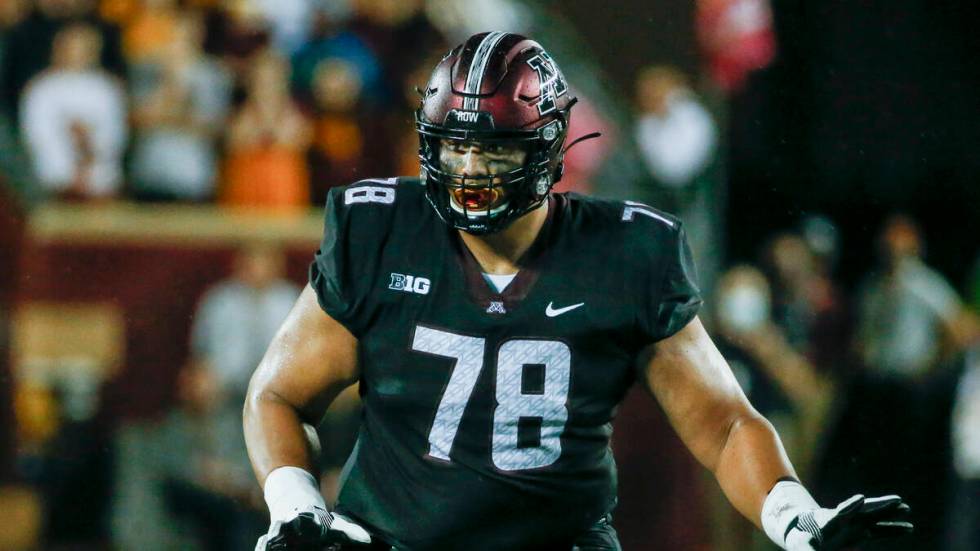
(314, 530)
(855, 520)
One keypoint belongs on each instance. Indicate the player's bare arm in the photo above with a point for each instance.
(311, 360)
(711, 414)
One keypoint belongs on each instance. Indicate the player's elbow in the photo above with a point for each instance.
(260, 396)
(741, 432)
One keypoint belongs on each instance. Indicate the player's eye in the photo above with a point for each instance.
(462, 147)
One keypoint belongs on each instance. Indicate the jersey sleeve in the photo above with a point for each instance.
(671, 289)
(348, 258)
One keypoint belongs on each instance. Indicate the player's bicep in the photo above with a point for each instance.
(309, 362)
(696, 388)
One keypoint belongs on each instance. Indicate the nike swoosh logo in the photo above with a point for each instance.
(552, 312)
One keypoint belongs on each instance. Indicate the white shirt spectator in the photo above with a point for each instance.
(172, 158)
(54, 102)
(235, 324)
(290, 21)
(903, 317)
(679, 144)
(966, 420)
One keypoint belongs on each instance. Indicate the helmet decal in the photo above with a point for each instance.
(551, 81)
(474, 78)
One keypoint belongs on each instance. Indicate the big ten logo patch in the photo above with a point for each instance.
(409, 284)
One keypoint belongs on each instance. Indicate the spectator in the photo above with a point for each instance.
(289, 22)
(780, 382)
(74, 119)
(30, 42)
(267, 142)
(180, 104)
(149, 29)
(778, 377)
(12, 13)
(386, 26)
(229, 350)
(736, 37)
(677, 138)
(338, 153)
(238, 317)
(806, 304)
(340, 44)
(907, 308)
(236, 34)
(200, 498)
(675, 132)
(15, 172)
(964, 510)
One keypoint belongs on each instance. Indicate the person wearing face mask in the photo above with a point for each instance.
(782, 383)
(780, 378)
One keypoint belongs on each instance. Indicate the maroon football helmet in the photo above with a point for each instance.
(498, 88)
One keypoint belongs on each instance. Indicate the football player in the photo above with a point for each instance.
(494, 327)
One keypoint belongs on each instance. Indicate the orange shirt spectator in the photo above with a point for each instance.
(267, 142)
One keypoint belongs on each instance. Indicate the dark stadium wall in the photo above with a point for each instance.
(626, 35)
(868, 108)
(157, 286)
(11, 231)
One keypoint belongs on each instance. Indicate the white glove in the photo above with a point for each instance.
(795, 522)
(299, 517)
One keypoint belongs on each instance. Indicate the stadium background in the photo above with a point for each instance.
(788, 135)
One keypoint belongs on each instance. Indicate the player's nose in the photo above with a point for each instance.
(473, 162)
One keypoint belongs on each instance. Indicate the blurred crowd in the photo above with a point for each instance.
(873, 384)
(239, 102)
(272, 102)
(874, 388)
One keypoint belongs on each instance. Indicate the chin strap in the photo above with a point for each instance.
(580, 139)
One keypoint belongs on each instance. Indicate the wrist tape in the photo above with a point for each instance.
(290, 490)
(785, 502)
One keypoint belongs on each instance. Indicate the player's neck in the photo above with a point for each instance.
(499, 252)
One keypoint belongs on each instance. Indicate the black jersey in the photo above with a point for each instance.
(487, 416)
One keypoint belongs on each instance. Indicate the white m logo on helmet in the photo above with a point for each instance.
(553, 84)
